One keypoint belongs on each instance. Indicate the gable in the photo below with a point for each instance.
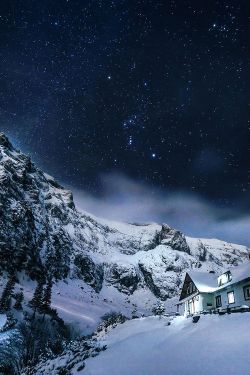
(188, 287)
(206, 282)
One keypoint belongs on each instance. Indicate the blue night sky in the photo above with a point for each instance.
(148, 93)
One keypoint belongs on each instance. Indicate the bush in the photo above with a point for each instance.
(158, 309)
(111, 318)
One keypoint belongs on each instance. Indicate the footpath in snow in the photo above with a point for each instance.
(216, 345)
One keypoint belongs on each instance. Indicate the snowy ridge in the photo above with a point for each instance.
(97, 265)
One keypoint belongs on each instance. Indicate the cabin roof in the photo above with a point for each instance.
(204, 281)
(238, 273)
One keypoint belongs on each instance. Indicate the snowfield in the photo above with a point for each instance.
(216, 345)
(79, 306)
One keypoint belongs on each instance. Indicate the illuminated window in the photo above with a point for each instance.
(224, 278)
(247, 292)
(230, 297)
(218, 301)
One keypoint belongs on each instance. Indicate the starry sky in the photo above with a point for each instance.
(157, 91)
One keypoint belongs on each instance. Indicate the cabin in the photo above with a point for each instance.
(208, 292)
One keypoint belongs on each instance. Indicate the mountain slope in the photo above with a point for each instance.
(96, 264)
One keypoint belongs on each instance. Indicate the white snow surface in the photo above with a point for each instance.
(239, 273)
(79, 306)
(215, 345)
(204, 281)
(3, 320)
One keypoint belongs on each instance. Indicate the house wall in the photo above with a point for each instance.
(199, 303)
(207, 301)
(238, 295)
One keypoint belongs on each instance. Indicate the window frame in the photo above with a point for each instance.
(228, 277)
(231, 292)
(244, 291)
(216, 301)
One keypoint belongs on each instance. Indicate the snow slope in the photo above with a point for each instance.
(96, 265)
(216, 345)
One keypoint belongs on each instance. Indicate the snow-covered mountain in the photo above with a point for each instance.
(97, 264)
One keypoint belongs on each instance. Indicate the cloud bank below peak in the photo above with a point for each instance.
(124, 199)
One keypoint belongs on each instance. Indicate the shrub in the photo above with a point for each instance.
(112, 318)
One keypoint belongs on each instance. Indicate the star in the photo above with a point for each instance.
(130, 140)
(115, 92)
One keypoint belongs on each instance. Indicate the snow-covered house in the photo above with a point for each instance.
(204, 291)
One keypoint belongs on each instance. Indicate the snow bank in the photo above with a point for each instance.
(216, 345)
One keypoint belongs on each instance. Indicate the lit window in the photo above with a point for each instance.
(218, 301)
(230, 297)
(247, 292)
(224, 278)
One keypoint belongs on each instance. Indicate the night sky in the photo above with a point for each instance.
(157, 91)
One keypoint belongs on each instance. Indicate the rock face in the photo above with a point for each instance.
(173, 238)
(34, 211)
(43, 234)
(123, 277)
(90, 272)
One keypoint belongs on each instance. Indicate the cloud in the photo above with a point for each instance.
(124, 199)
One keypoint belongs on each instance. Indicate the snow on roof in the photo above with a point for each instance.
(238, 273)
(204, 281)
(208, 282)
